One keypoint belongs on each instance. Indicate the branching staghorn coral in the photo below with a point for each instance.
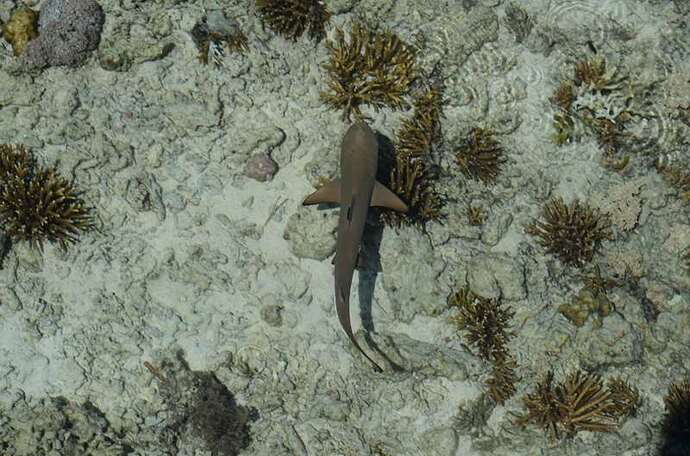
(625, 397)
(417, 135)
(572, 233)
(579, 403)
(484, 323)
(372, 68)
(291, 18)
(37, 204)
(476, 215)
(592, 73)
(413, 182)
(480, 156)
(410, 176)
(501, 383)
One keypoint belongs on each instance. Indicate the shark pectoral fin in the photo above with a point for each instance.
(329, 193)
(383, 197)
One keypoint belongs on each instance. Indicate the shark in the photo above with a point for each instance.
(356, 190)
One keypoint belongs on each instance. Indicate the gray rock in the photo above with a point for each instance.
(410, 272)
(261, 167)
(497, 275)
(443, 440)
(615, 343)
(310, 233)
(496, 228)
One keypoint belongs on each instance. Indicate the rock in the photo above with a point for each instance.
(68, 31)
(411, 270)
(311, 233)
(497, 275)
(261, 167)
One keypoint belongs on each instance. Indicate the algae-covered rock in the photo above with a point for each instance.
(586, 303)
(20, 29)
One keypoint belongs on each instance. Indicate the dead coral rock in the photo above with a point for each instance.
(311, 234)
(518, 21)
(622, 204)
(407, 254)
(496, 227)
(496, 275)
(624, 261)
(678, 239)
(616, 342)
(68, 31)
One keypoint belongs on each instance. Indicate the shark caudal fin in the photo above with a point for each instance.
(329, 193)
(342, 305)
(383, 197)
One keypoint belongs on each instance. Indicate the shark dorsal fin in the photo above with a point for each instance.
(383, 197)
(328, 193)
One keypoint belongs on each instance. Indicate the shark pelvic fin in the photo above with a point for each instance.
(383, 197)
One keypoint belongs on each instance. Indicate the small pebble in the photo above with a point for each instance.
(261, 167)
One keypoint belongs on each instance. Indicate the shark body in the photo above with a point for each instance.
(356, 191)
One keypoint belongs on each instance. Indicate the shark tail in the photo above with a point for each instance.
(347, 327)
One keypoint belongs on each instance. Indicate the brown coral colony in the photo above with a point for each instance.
(291, 18)
(374, 68)
(571, 232)
(37, 204)
(481, 156)
(579, 403)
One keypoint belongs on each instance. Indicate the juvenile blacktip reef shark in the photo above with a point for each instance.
(355, 191)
